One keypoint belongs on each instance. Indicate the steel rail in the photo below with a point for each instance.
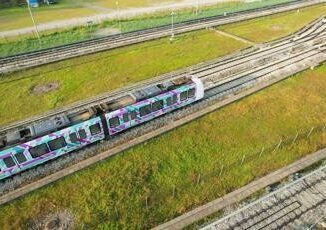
(272, 194)
(124, 35)
(85, 163)
(245, 78)
(92, 46)
(228, 63)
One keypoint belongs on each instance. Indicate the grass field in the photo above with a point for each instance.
(275, 26)
(130, 3)
(116, 68)
(25, 43)
(18, 17)
(112, 194)
(87, 76)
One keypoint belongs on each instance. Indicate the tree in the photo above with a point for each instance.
(11, 3)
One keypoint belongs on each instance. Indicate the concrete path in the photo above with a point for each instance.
(235, 37)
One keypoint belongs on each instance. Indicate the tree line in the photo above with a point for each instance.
(10, 3)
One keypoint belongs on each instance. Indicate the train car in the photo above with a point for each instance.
(63, 134)
(160, 100)
(45, 148)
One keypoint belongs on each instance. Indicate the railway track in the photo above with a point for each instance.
(29, 187)
(298, 204)
(32, 59)
(211, 73)
(302, 54)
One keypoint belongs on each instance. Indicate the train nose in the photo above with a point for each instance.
(199, 88)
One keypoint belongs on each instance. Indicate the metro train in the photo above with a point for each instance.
(40, 142)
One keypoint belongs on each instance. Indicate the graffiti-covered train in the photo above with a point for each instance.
(37, 143)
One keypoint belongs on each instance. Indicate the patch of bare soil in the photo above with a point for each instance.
(54, 221)
(45, 88)
(277, 27)
(106, 31)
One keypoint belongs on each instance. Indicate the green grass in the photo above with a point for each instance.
(87, 76)
(18, 17)
(275, 26)
(116, 68)
(129, 3)
(189, 14)
(25, 43)
(122, 183)
(14, 45)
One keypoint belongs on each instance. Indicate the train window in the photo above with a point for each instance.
(133, 115)
(169, 101)
(73, 137)
(145, 110)
(191, 93)
(9, 162)
(20, 157)
(125, 117)
(114, 122)
(175, 99)
(183, 96)
(58, 143)
(157, 105)
(39, 150)
(95, 129)
(82, 133)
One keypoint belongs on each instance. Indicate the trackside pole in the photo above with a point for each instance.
(32, 17)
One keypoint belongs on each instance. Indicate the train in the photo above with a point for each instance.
(45, 140)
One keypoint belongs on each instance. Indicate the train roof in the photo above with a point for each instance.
(154, 90)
